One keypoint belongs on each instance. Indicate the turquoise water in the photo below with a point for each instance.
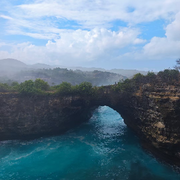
(102, 148)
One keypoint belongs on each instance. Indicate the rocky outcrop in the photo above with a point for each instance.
(35, 116)
(152, 113)
(157, 113)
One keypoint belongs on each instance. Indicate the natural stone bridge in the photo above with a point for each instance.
(153, 115)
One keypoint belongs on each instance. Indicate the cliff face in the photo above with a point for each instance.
(153, 114)
(36, 116)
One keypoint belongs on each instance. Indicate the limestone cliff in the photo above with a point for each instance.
(153, 114)
(28, 117)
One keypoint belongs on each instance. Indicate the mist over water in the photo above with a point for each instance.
(103, 148)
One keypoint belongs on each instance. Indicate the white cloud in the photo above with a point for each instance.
(173, 29)
(160, 48)
(77, 46)
(2, 44)
(5, 17)
(100, 12)
(166, 47)
(46, 19)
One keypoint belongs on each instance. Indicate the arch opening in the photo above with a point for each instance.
(108, 122)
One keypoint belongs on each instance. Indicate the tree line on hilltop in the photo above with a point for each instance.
(39, 86)
(58, 75)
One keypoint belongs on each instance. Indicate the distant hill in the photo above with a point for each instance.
(58, 75)
(12, 62)
(87, 69)
(127, 72)
(11, 66)
(8, 63)
(19, 71)
(124, 72)
(40, 66)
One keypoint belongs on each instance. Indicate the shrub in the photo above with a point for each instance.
(4, 87)
(28, 88)
(169, 76)
(85, 88)
(64, 88)
(128, 85)
(42, 85)
(14, 86)
(138, 78)
(151, 77)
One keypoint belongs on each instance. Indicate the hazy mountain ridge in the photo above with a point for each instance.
(20, 72)
(12, 62)
(58, 75)
(128, 72)
(40, 66)
(124, 72)
(9, 65)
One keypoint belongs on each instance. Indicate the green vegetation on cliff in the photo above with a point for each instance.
(168, 77)
(28, 87)
(9, 87)
(36, 87)
(85, 88)
(39, 86)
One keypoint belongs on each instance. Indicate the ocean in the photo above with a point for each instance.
(103, 148)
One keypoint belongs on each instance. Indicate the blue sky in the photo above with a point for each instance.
(99, 33)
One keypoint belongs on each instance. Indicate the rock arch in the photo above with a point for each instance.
(153, 115)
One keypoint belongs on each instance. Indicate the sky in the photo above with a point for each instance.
(110, 34)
